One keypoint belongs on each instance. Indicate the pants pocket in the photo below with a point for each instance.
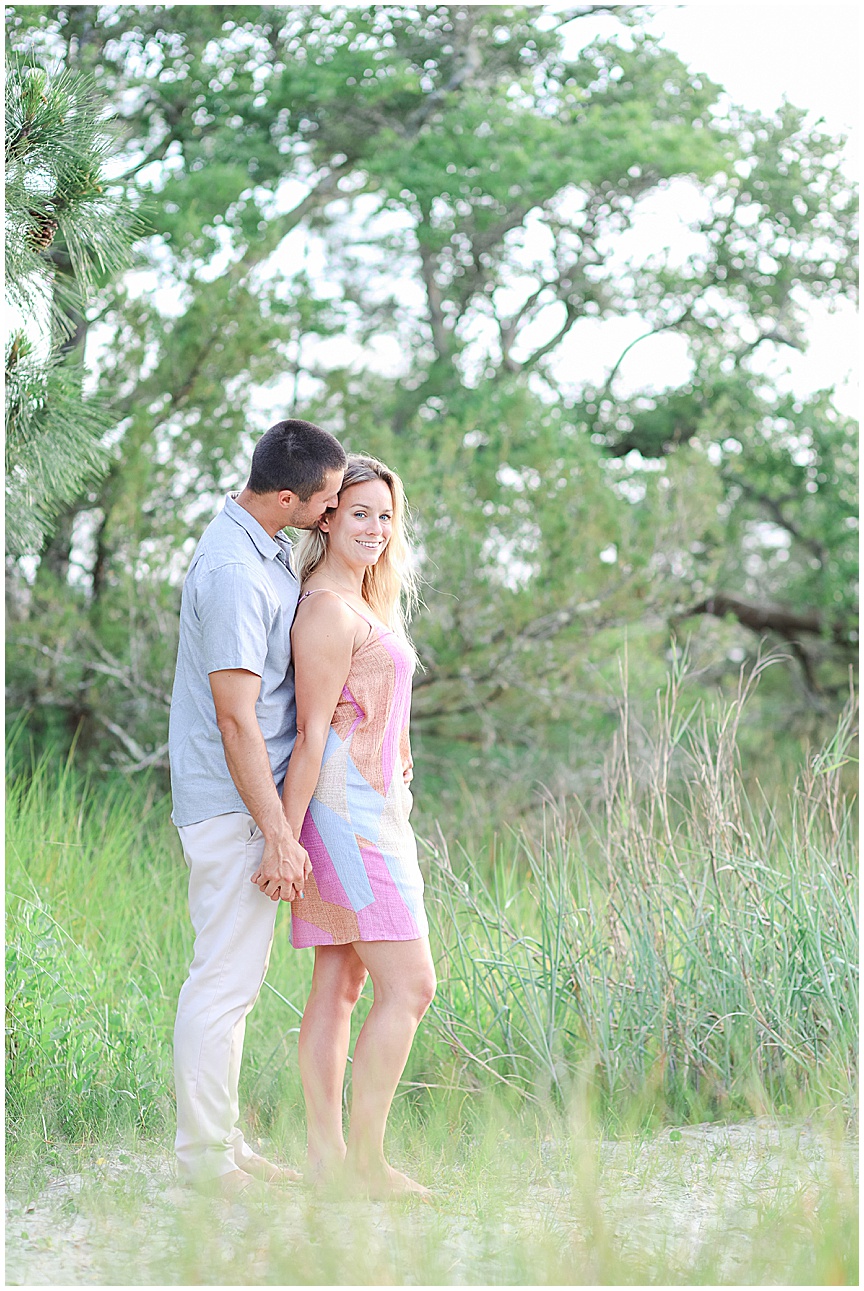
(254, 832)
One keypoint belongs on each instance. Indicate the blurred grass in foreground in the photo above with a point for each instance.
(520, 1201)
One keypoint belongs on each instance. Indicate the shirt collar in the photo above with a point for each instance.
(270, 548)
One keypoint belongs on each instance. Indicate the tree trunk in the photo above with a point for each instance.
(57, 553)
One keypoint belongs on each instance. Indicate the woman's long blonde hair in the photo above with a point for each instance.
(390, 585)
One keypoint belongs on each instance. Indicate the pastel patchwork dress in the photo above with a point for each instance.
(366, 883)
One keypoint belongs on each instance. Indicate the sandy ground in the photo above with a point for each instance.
(121, 1221)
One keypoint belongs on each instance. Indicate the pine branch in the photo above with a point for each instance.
(64, 233)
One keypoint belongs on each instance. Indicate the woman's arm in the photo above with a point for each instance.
(405, 754)
(322, 642)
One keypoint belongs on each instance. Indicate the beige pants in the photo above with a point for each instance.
(233, 923)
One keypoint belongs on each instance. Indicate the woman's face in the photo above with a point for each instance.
(360, 527)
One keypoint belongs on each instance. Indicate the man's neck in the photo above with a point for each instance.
(257, 507)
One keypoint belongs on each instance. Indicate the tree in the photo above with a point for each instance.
(461, 189)
(63, 234)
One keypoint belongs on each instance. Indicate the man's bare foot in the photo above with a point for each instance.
(261, 1168)
(383, 1183)
(236, 1185)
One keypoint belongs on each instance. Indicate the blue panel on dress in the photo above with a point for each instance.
(408, 883)
(337, 836)
(364, 804)
(333, 743)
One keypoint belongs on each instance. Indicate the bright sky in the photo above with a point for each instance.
(761, 54)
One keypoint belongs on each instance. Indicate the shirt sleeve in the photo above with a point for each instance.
(234, 614)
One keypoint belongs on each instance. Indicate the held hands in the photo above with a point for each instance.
(284, 868)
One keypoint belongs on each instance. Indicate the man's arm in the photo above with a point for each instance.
(285, 864)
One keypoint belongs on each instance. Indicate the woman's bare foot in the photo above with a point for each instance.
(325, 1170)
(383, 1183)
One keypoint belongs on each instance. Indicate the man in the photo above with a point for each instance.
(231, 732)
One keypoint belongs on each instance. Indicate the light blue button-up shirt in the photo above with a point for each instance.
(238, 605)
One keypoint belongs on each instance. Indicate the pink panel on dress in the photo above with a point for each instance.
(305, 934)
(346, 694)
(387, 918)
(397, 716)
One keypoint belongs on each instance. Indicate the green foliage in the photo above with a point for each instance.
(444, 186)
(64, 234)
(678, 951)
(50, 457)
(792, 218)
(785, 528)
(57, 207)
(801, 473)
(691, 952)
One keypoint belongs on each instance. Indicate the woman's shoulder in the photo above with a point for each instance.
(331, 612)
(322, 604)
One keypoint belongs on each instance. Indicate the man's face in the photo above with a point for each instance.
(307, 514)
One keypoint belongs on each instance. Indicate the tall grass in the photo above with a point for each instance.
(686, 952)
(92, 929)
(682, 949)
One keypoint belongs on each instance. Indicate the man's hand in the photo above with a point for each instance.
(285, 865)
(284, 868)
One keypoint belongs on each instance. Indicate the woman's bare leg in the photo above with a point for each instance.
(403, 977)
(337, 981)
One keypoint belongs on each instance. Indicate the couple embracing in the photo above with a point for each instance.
(290, 767)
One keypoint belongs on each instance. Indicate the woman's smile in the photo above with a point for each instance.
(362, 523)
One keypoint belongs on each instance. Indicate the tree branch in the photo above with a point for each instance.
(278, 229)
(767, 618)
(776, 334)
(812, 685)
(133, 748)
(110, 667)
(509, 327)
(440, 336)
(774, 507)
(155, 154)
(463, 72)
(543, 628)
(655, 331)
(570, 317)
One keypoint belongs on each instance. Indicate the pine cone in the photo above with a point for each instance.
(43, 234)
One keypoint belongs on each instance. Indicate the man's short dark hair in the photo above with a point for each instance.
(295, 455)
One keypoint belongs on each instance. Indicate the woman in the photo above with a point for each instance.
(347, 798)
